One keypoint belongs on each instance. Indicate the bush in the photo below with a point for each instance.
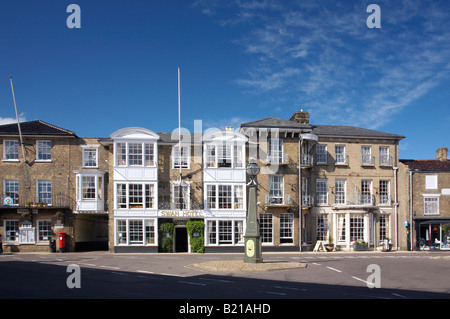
(166, 237)
(197, 242)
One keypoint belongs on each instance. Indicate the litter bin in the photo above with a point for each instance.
(52, 245)
(62, 242)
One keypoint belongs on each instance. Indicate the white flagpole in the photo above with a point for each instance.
(18, 122)
(179, 120)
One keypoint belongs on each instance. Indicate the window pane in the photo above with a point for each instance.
(44, 192)
(44, 230)
(135, 198)
(225, 232)
(266, 227)
(121, 153)
(44, 150)
(134, 154)
(286, 228)
(11, 150)
(225, 196)
(90, 157)
(12, 190)
(135, 232)
(211, 196)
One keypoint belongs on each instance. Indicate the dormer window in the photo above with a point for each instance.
(135, 154)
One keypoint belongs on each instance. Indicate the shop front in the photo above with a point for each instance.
(433, 234)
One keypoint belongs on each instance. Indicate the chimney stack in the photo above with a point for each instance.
(441, 154)
(300, 117)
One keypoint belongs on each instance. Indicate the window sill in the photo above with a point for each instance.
(43, 161)
(11, 161)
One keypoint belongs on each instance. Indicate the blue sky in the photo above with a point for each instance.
(240, 61)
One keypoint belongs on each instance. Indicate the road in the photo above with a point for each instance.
(335, 275)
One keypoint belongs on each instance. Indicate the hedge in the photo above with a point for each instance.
(198, 241)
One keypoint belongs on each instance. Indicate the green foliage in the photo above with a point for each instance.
(198, 241)
(166, 237)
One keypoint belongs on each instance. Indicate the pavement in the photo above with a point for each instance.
(240, 266)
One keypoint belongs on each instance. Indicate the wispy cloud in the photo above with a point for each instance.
(10, 120)
(321, 54)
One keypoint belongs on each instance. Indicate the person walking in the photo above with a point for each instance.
(1, 244)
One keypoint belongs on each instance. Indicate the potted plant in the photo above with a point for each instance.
(59, 214)
(360, 245)
(330, 245)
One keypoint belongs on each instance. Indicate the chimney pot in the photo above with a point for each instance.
(441, 154)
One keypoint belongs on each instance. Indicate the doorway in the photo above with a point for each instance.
(181, 240)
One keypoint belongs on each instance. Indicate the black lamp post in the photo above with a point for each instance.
(252, 239)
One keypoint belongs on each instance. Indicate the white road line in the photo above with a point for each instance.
(145, 271)
(317, 264)
(334, 269)
(364, 281)
(217, 280)
(86, 264)
(109, 267)
(398, 295)
(173, 275)
(191, 283)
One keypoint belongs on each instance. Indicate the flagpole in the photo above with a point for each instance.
(17, 117)
(179, 120)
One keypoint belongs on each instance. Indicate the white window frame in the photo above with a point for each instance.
(276, 189)
(431, 204)
(27, 233)
(366, 191)
(339, 154)
(216, 153)
(276, 149)
(224, 196)
(142, 193)
(224, 232)
(10, 150)
(123, 227)
(321, 154)
(11, 189)
(286, 228)
(89, 156)
(41, 231)
(366, 155)
(182, 159)
(340, 191)
(43, 151)
(322, 227)
(385, 159)
(40, 185)
(322, 191)
(431, 181)
(385, 192)
(266, 228)
(11, 225)
(185, 195)
(145, 155)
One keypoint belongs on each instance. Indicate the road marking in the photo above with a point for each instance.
(398, 295)
(290, 288)
(191, 283)
(334, 269)
(173, 275)
(109, 267)
(145, 271)
(218, 280)
(86, 264)
(364, 281)
(119, 273)
(317, 264)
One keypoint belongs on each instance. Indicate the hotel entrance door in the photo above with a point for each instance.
(181, 240)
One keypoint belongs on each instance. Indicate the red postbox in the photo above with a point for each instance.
(62, 241)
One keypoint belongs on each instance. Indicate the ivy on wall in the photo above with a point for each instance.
(195, 230)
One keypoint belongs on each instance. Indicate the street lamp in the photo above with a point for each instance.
(252, 239)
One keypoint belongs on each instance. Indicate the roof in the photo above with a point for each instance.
(351, 131)
(35, 128)
(321, 130)
(427, 164)
(274, 122)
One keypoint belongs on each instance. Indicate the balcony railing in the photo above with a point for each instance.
(367, 160)
(341, 159)
(283, 200)
(277, 158)
(307, 200)
(353, 200)
(385, 160)
(306, 160)
(58, 200)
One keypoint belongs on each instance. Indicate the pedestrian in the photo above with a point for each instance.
(1, 244)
